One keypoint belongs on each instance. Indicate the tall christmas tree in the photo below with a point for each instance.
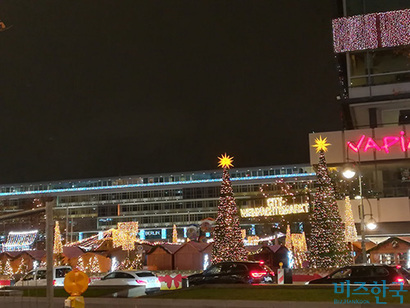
(228, 243)
(327, 243)
(58, 246)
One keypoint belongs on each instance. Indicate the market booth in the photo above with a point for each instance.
(394, 251)
(193, 256)
(161, 257)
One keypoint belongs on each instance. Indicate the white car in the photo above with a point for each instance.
(38, 277)
(131, 278)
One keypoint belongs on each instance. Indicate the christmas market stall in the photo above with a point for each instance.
(161, 257)
(393, 251)
(193, 256)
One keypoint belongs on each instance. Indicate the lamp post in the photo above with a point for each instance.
(349, 173)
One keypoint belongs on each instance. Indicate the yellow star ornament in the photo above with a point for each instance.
(225, 161)
(321, 144)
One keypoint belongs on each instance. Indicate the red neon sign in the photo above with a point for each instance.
(367, 143)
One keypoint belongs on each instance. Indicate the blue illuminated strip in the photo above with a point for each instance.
(55, 191)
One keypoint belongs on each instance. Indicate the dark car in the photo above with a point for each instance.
(234, 272)
(368, 273)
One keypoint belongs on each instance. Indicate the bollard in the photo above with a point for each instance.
(281, 274)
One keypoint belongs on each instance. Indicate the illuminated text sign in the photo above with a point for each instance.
(275, 207)
(366, 143)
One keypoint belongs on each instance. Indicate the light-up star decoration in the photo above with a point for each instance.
(321, 144)
(225, 161)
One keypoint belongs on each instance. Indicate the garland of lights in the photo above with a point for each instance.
(371, 31)
(18, 241)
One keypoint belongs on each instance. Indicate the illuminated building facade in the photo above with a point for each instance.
(371, 41)
(157, 201)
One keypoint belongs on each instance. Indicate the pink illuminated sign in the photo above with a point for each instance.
(366, 143)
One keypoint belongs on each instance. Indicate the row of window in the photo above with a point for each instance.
(157, 219)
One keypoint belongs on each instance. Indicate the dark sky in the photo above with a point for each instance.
(106, 88)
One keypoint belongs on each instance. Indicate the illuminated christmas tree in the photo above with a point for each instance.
(288, 240)
(131, 263)
(350, 228)
(174, 235)
(23, 267)
(326, 245)
(58, 246)
(228, 242)
(80, 264)
(8, 270)
(94, 265)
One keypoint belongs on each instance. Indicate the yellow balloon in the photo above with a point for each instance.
(76, 282)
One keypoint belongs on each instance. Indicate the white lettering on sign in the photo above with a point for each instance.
(275, 207)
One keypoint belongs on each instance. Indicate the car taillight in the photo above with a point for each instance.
(400, 280)
(261, 262)
(398, 266)
(272, 273)
(54, 282)
(141, 281)
(258, 274)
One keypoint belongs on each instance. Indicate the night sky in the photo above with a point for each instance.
(109, 88)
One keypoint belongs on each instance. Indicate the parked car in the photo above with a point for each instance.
(130, 278)
(38, 277)
(368, 273)
(234, 272)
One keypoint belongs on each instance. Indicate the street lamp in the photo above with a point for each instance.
(349, 173)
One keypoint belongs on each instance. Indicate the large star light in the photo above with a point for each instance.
(321, 144)
(225, 161)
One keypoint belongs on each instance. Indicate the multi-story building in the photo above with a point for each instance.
(157, 202)
(372, 45)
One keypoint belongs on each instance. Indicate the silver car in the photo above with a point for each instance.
(38, 277)
(131, 278)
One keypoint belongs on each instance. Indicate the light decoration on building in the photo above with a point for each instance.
(125, 235)
(127, 186)
(23, 267)
(371, 31)
(365, 143)
(80, 264)
(19, 241)
(394, 28)
(35, 264)
(275, 207)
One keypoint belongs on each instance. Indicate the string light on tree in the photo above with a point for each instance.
(327, 246)
(174, 234)
(350, 228)
(94, 265)
(58, 245)
(228, 242)
(8, 270)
